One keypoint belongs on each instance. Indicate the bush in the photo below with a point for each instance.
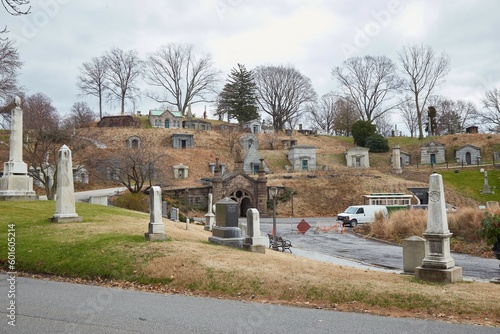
(137, 202)
(377, 143)
(362, 130)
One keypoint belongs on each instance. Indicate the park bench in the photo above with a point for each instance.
(282, 244)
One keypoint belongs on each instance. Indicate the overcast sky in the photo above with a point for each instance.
(312, 35)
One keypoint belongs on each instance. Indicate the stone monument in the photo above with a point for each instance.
(209, 217)
(396, 160)
(156, 229)
(65, 191)
(486, 187)
(254, 242)
(227, 231)
(15, 183)
(437, 265)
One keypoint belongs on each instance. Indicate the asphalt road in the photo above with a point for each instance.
(366, 251)
(54, 307)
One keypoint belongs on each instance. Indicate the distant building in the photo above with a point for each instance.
(253, 126)
(182, 140)
(165, 119)
(302, 157)
(468, 154)
(432, 153)
(357, 157)
(472, 129)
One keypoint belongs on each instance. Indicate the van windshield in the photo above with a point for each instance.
(351, 209)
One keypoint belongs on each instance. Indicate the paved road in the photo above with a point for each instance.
(55, 307)
(83, 196)
(368, 252)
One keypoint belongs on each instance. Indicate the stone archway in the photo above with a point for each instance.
(244, 200)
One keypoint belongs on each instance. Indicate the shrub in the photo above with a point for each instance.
(362, 130)
(377, 143)
(137, 202)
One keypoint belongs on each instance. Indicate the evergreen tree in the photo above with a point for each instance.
(237, 100)
(362, 130)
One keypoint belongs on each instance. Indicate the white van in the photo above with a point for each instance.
(360, 214)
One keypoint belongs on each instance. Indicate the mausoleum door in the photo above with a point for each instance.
(433, 159)
(167, 123)
(468, 158)
(245, 204)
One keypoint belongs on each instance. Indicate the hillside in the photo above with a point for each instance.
(322, 193)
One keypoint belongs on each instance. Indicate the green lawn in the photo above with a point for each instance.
(74, 250)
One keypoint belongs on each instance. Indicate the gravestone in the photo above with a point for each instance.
(209, 217)
(413, 253)
(227, 231)
(164, 209)
(396, 160)
(174, 214)
(486, 187)
(15, 183)
(254, 241)
(65, 192)
(100, 200)
(156, 229)
(437, 265)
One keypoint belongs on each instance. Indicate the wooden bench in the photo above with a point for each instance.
(282, 244)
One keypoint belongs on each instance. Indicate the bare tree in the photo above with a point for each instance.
(80, 116)
(408, 114)
(43, 140)
(132, 167)
(370, 84)
(491, 111)
(92, 80)
(345, 116)
(39, 113)
(282, 92)
(9, 67)
(122, 71)
(323, 112)
(424, 71)
(383, 125)
(184, 78)
(16, 7)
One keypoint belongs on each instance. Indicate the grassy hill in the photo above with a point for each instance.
(334, 187)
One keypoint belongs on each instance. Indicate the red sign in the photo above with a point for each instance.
(303, 226)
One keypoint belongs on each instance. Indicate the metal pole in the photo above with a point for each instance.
(292, 203)
(275, 243)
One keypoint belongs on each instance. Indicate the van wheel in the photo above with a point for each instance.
(354, 222)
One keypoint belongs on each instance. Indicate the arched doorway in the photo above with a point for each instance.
(246, 204)
(468, 158)
(244, 201)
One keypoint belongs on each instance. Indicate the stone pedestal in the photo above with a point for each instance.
(254, 241)
(396, 160)
(227, 231)
(156, 229)
(438, 265)
(65, 202)
(413, 253)
(16, 184)
(209, 217)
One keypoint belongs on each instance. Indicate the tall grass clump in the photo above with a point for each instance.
(464, 224)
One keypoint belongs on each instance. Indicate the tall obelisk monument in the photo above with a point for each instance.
(15, 182)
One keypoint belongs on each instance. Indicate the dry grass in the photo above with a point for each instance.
(187, 263)
(464, 224)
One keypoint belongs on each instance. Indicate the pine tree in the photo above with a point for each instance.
(237, 99)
